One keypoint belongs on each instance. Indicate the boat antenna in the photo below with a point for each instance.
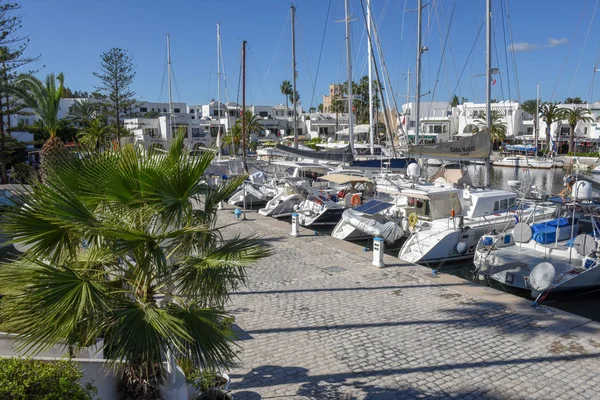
(169, 76)
(294, 75)
(488, 85)
(219, 89)
(369, 63)
(349, 82)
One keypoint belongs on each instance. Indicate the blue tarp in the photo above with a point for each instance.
(545, 232)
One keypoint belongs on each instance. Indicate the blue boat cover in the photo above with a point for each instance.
(545, 232)
(373, 207)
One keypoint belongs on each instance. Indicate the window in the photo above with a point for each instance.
(529, 130)
(164, 110)
(504, 204)
(279, 113)
(263, 114)
(511, 202)
(411, 124)
(565, 130)
(177, 110)
(152, 132)
(496, 205)
(323, 130)
(153, 109)
(585, 132)
(191, 111)
(510, 111)
(179, 128)
(144, 109)
(214, 131)
(196, 133)
(193, 117)
(215, 113)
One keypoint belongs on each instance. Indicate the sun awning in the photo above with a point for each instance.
(342, 179)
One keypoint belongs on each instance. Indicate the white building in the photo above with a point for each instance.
(159, 132)
(438, 122)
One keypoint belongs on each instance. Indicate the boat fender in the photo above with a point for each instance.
(488, 241)
(461, 247)
(412, 220)
(355, 200)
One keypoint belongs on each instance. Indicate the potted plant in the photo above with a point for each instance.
(213, 386)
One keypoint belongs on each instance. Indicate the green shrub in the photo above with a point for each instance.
(27, 379)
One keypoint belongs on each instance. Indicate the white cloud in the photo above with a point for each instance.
(522, 46)
(556, 42)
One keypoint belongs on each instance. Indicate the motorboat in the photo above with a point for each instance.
(473, 213)
(528, 162)
(400, 197)
(372, 219)
(547, 256)
(551, 255)
(325, 206)
(286, 201)
(254, 191)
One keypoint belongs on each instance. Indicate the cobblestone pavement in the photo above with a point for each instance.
(320, 322)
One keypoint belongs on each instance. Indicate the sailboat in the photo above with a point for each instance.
(478, 210)
(549, 255)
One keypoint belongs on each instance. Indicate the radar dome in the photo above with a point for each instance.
(413, 170)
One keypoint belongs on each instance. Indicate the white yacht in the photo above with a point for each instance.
(528, 162)
(474, 212)
(547, 256)
(406, 197)
(283, 205)
(325, 206)
(550, 255)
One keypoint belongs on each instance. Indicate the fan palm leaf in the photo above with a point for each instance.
(118, 246)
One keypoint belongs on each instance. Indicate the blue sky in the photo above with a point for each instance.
(70, 35)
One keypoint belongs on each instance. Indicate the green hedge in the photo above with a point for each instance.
(26, 379)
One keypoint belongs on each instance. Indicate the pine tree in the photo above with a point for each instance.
(116, 77)
(12, 49)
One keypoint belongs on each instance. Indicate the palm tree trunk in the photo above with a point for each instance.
(572, 140)
(548, 144)
(2, 147)
(336, 121)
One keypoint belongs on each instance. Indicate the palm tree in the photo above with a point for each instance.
(233, 138)
(497, 129)
(82, 112)
(531, 108)
(287, 91)
(337, 106)
(252, 122)
(94, 134)
(44, 99)
(573, 117)
(550, 113)
(123, 245)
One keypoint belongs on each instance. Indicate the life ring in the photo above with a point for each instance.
(355, 199)
(412, 220)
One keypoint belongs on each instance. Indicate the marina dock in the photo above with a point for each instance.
(318, 320)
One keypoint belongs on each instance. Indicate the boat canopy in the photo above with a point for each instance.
(341, 155)
(476, 146)
(343, 179)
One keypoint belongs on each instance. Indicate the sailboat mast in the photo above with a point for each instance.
(244, 105)
(536, 117)
(488, 77)
(370, 61)
(294, 73)
(219, 89)
(349, 82)
(418, 89)
(169, 73)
